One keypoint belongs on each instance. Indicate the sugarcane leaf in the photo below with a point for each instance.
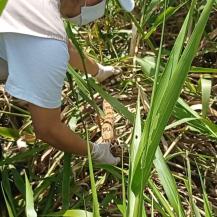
(207, 205)
(71, 213)
(206, 86)
(168, 183)
(2, 5)
(162, 109)
(9, 133)
(67, 173)
(10, 213)
(30, 210)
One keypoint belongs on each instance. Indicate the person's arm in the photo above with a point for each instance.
(76, 61)
(98, 71)
(49, 128)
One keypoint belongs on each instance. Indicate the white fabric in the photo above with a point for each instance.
(101, 154)
(127, 5)
(36, 66)
(33, 17)
(89, 14)
(40, 17)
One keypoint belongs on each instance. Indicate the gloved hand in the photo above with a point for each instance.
(101, 154)
(106, 72)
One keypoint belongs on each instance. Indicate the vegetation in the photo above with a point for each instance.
(165, 121)
(2, 5)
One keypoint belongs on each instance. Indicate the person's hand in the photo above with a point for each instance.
(106, 72)
(101, 154)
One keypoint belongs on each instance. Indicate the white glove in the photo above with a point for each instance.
(106, 72)
(101, 154)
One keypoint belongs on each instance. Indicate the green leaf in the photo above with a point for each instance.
(179, 122)
(168, 183)
(7, 188)
(71, 213)
(82, 85)
(119, 107)
(188, 184)
(115, 171)
(182, 111)
(96, 212)
(10, 213)
(136, 137)
(207, 205)
(30, 210)
(18, 181)
(148, 64)
(206, 86)
(166, 97)
(203, 70)
(22, 156)
(9, 133)
(163, 202)
(2, 5)
(159, 20)
(121, 209)
(67, 172)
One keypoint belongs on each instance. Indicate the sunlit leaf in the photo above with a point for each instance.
(30, 210)
(2, 5)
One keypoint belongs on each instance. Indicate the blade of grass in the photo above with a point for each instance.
(161, 199)
(179, 122)
(82, 85)
(71, 213)
(206, 86)
(81, 53)
(174, 57)
(124, 205)
(2, 5)
(163, 108)
(203, 70)
(188, 184)
(18, 181)
(22, 156)
(182, 110)
(30, 210)
(67, 172)
(168, 183)
(96, 212)
(139, 168)
(160, 18)
(119, 107)
(133, 200)
(10, 213)
(9, 133)
(7, 189)
(207, 206)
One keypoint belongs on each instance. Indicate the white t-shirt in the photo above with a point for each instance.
(33, 17)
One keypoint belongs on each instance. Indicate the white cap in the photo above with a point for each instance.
(127, 5)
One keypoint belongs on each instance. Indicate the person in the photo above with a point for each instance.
(35, 48)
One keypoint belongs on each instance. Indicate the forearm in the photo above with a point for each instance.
(49, 128)
(61, 137)
(76, 61)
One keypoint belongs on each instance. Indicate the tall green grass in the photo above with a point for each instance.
(145, 156)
